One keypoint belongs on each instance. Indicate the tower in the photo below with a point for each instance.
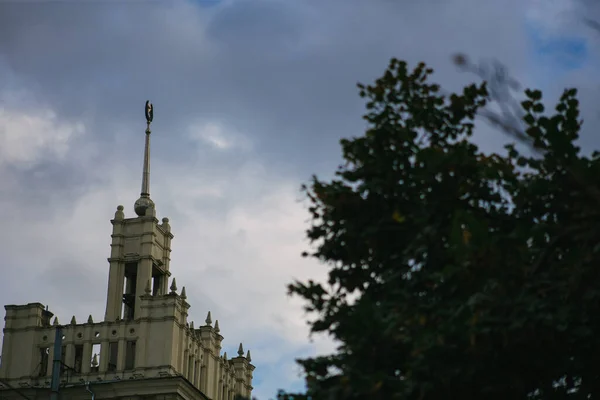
(144, 347)
(140, 249)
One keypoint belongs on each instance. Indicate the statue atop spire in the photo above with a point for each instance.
(144, 202)
(149, 112)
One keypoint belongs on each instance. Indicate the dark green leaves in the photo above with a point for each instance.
(453, 273)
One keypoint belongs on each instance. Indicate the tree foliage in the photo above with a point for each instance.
(454, 273)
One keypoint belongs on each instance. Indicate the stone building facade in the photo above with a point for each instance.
(144, 349)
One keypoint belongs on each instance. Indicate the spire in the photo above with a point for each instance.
(241, 351)
(144, 202)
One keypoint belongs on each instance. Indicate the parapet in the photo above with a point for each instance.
(32, 315)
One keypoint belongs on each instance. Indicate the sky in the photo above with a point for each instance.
(251, 98)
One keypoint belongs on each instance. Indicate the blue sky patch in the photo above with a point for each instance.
(558, 53)
(206, 3)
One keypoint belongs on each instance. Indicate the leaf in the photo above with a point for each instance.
(396, 216)
(377, 386)
(466, 236)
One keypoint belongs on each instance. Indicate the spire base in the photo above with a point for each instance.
(142, 205)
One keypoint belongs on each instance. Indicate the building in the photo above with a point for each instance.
(144, 349)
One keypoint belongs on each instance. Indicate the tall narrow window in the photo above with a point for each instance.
(63, 356)
(191, 368)
(113, 353)
(184, 363)
(44, 352)
(156, 284)
(197, 374)
(201, 384)
(129, 297)
(78, 358)
(130, 290)
(95, 361)
(130, 355)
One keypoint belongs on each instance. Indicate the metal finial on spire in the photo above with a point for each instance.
(144, 202)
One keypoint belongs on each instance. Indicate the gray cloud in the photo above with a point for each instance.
(283, 73)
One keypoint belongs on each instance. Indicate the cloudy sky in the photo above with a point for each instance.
(251, 98)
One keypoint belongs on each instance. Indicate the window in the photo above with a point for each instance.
(130, 355)
(78, 358)
(129, 297)
(95, 361)
(191, 368)
(156, 285)
(63, 355)
(113, 353)
(44, 352)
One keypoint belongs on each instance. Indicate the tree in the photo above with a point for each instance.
(453, 273)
